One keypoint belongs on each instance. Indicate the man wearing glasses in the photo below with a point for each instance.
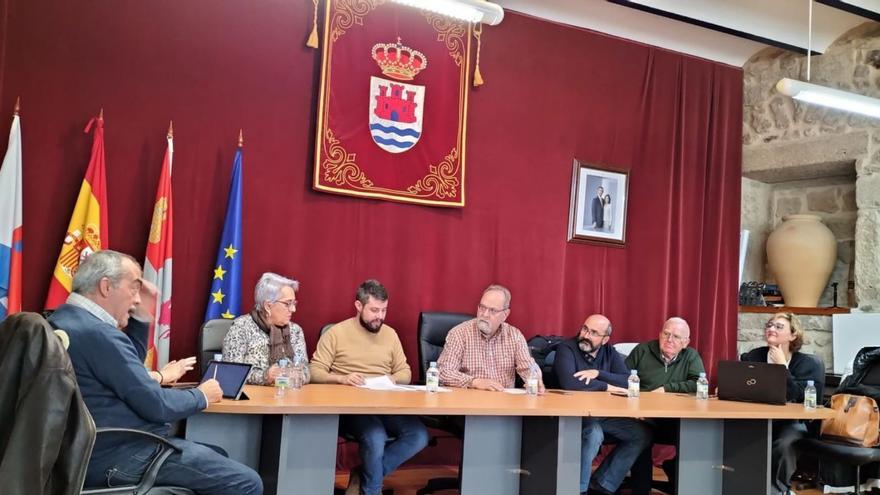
(664, 365)
(486, 352)
(589, 362)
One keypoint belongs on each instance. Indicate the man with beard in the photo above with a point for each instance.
(486, 352)
(352, 350)
(589, 362)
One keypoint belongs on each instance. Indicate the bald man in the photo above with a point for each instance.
(589, 362)
(664, 365)
(668, 364)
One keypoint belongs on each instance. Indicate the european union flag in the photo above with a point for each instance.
(225, 298)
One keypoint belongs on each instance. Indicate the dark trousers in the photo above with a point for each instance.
(642, 471)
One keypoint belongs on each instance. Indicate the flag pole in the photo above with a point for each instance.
(17, 108)
(240, 138)
(170, 129)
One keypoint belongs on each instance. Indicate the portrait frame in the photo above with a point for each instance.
(590, 209)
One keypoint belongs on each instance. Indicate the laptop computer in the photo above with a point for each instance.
(752, 382)
(232, 378)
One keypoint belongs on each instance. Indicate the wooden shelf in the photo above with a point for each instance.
(797, 311)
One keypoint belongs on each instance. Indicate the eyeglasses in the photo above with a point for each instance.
(290, 305)
(491, 311)
(666, 335)
(778, 326)
(591, 332)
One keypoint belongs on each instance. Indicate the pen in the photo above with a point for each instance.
(215, 372)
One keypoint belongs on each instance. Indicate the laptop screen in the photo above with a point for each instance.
(232, 376)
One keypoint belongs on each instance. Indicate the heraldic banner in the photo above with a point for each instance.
(391, 119)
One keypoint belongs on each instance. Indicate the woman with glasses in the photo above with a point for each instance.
(266, 334)
(784, 336)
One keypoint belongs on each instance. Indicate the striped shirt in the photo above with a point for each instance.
(469, 354)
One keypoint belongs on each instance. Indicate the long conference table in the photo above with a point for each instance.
(512, 443)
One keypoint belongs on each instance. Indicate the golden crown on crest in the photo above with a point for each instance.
(398, 61)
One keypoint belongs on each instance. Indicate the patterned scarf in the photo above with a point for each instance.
(279, 338)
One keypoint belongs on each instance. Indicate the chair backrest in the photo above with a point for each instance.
(325, 328)
(211, 340)
(433, 327)
(625, 347)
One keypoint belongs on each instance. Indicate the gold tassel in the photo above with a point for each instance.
(313, 37)
(478, 78)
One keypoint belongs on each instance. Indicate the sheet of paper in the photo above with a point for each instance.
(423, 388)
(515, 391)
(383, 383)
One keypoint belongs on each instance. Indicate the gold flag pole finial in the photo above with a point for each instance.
(17, 108)
(101, 114)
(313, 36)
(170, 129)
(240, 138)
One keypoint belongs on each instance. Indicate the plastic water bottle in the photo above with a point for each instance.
(532, 381)
(297, 374)
(702, 387)
(282, 381)
(432, 377)
(810, 395)
(633, 384)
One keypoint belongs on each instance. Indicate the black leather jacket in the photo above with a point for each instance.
(46, 432)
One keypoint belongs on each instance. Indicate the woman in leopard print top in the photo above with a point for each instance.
(267, 334)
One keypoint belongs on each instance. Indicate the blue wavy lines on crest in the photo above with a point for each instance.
(395, 130)
(392, 142)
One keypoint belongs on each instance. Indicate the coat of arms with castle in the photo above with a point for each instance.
(397, 108)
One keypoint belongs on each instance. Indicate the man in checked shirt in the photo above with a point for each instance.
(486, 353)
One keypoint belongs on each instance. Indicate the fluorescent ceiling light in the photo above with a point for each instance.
(466, 10)
(829, 97)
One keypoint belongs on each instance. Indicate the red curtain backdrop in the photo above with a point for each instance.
(552, 94)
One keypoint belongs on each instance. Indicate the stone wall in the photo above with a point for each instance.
(817, 335)
(786, 140)
(836, 152)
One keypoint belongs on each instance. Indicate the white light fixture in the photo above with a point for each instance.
(829, 97)
(466, 10)
(823, 95)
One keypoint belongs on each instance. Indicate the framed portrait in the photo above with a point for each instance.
(597, 213)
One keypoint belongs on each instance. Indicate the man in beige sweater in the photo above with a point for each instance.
(359, 348)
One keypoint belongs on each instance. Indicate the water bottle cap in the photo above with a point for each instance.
(633, 372)
(433, 364)
(282, 362)
(809, 383)
(218, 357)
(702, 374)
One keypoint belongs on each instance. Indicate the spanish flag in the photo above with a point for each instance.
(157, 265)
(87, 231)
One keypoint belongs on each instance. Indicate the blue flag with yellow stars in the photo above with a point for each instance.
(225, 298)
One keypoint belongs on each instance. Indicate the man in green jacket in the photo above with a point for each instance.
(664, 365)
(667, 364)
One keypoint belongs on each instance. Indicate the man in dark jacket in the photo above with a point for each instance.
(107, 325)
(665, 365)
(589, 362)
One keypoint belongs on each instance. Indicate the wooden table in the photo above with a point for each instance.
(512, 444)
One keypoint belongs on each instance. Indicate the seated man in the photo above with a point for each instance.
(664, 365)
(486, 352)
(107, 351)
(350, 351)
(589, 362)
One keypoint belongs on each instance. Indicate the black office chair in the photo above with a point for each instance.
(211, 337)
(831, 454)
(433, 327)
